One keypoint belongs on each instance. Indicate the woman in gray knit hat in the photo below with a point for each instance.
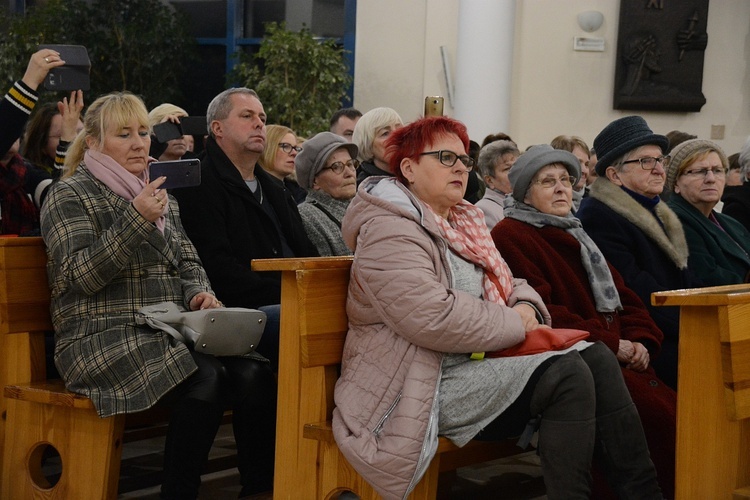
(545, 244)
(327, 168)
(719, 245)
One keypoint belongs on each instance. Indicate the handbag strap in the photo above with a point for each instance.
(329, 214)
(147, 319)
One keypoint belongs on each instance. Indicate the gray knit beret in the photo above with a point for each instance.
(533, 160)
(622, 136)
(683, 152)
(315, 152)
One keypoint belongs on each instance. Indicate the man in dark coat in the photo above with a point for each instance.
(637, 233)
(238, 214)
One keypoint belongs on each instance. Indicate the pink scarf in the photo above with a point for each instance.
(119, 180)
(468, 236)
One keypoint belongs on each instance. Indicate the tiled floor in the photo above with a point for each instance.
(516, 478)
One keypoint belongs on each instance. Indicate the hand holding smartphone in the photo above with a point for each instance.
(179, 173)
(433, 105)
(74, 74)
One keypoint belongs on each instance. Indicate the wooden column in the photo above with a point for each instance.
(713, 395)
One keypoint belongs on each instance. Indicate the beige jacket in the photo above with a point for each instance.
(403, 315)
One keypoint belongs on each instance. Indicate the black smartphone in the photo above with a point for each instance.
(167, 131)
(189, 125)
(74, 75)
(433, 105)
(179, 173)
(193, 125)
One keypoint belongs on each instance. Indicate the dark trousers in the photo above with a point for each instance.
(246, 386)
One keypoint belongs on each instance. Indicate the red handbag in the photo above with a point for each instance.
(542, 340)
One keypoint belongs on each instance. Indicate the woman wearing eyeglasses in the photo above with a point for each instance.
(327, 168)
(428, 293)
(278, 157)
(719, 245)
(544, 244)
(638, 233)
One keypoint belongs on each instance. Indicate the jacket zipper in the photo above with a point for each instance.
(379, 427)
(417, 476)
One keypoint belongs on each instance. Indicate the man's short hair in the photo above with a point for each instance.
(351, 113)
(220, 106)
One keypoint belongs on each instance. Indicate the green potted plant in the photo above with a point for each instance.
(301, 80)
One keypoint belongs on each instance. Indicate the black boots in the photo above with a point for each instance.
(586, 409)
(621, 446)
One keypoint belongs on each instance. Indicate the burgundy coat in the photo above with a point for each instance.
(549, 259)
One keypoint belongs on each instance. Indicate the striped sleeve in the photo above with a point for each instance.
(22, 97)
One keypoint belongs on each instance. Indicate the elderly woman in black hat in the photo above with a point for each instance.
(637, 233)
(719, 245)
(327, 168)
(544, 244)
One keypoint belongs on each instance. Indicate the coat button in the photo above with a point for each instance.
(144, 274)
(173, 272)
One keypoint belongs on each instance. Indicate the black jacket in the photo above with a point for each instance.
(737, 203)
(229, 228)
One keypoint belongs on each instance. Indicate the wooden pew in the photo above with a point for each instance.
(313, 328)
(37, 412)
(24, 316)
(713, 391)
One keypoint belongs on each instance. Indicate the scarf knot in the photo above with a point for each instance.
(466, 234)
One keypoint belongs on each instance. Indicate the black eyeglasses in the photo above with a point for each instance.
(288, 148)
(449, 158)
(338, 167)
(649, 162)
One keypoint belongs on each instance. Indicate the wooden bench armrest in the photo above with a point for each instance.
(48, 392)
(302, 264)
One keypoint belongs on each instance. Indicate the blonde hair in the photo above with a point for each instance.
(569, 142)
(160, 112)
(368, 126)
(111, 111)
(274, 135)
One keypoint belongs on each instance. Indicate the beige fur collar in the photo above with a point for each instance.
(671, 239)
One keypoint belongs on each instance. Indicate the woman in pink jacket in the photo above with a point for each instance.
(428, 293)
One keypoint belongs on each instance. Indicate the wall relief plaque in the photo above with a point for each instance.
(660, 49)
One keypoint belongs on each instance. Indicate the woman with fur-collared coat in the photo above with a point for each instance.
(638, 234)
(115, 244)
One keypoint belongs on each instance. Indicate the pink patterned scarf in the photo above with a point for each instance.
(118, 179)
(468, 236)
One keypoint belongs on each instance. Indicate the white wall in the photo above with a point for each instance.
(555, 90)
(397, 60)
